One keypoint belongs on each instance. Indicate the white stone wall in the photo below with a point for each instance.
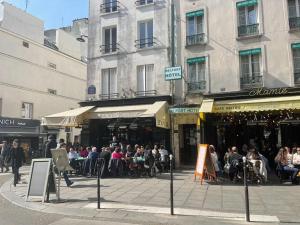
(129, 57)
(222, 48)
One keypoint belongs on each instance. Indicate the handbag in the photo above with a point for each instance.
(227, 167)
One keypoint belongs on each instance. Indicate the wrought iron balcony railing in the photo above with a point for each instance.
(195, 39)
(109, 48)
(144, 2)
(248, 30)
(145, 43)
(250, 81)
(199, 86)
(294, 23)
(109, 96)
(146, 93)
(110, 7)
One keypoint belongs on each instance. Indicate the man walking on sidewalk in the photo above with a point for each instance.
(4, 153)
(17, 159)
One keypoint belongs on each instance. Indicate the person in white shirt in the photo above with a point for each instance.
(214, 158)
(296, 158)
(163, 153)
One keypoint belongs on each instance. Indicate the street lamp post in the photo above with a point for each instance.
(171, 185)
(246, 190)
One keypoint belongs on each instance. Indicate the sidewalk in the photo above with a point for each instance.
(127, 196)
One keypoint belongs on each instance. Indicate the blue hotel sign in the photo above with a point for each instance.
(173, 73)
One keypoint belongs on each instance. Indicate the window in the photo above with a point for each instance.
(196, 74)
(144, 2)
(27, 110)
(109, 6)
(110, 40)
(52, 91)
(194, 29)
(145, 35)
(25, 44)
(109, 83)
(247, 18)
(294, 13)
(296, 61)
(250, 68)
(145, 80)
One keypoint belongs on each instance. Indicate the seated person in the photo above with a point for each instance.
(163, 153)
(235, 161)
(296, 158)
(83, 152)
(117, 154)
(90, 161)
(73, 155)
(259, 166)
(129, 152)
(283, 160)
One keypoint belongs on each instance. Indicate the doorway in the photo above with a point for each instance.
(188, 151)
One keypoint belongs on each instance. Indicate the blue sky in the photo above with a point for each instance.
(54, 13)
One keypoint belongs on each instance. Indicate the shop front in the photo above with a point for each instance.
(266, 120)
(27, 131)
(186, 134)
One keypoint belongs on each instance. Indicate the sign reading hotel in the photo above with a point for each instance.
(183, 110)
(173, 73)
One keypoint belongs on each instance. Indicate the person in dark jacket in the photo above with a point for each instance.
(51, 144)
(105, 155)
(17, 159)
(4, 154)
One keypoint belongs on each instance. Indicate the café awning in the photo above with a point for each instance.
(159, 110)
(70, 118)
(256, 104)
(206, 105)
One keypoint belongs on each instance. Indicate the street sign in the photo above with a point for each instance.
(173, 73)
(184, 110)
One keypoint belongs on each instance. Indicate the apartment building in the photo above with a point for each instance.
(37, 78)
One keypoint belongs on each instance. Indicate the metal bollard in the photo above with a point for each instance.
(246, 190)
(98, 182)
(171, 185)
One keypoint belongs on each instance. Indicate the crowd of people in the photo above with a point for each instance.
(118, 159)
(287, 161)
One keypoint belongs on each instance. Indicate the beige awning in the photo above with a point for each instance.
(71, 118)
(257, 104)
(159, 110)
(206, 105)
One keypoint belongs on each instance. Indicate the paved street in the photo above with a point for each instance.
(146, 201)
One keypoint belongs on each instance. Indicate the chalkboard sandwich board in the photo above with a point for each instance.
(39, 177)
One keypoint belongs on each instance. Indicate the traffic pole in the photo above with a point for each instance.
(171, 185)
(246, 190)
(98, 183)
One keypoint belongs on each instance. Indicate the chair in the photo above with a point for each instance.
(283, 175)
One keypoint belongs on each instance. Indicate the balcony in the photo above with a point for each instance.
(144, 2)
(248, 30)
(110, 7)
(297, 78)
(251, 81)
(145, 43)
(294, 23)
(109, 96)
(145, 93)
(196, 39)
(196, 87)
(109, 48)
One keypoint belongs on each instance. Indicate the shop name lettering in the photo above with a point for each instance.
(6, 122)
(268, 92)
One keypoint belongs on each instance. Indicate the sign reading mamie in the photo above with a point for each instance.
(173, 73)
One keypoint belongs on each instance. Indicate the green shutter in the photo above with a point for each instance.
(246, 3)
(296, 46)
(254, 51)
(195, 13)
(196, 60)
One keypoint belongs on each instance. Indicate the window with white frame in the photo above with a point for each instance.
(144, 2)
(145, 79)
(194, 27)
(250, 68)
(109, 6)
(294, 13)
(145, 34)
(109, 40)
(296, 62)
(248, 23)
(196, 74)
(109, 83)
(27, 110)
